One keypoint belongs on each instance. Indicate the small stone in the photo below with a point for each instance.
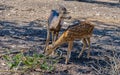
(3, 64)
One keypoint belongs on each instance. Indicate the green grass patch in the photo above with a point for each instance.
(27, 62)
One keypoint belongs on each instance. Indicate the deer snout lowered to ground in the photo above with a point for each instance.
(55, 21)
(82, 31)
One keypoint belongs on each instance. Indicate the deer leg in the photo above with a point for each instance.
(83, 48)
(56, 35)
(47, 40)
(53, 35)
(70, 44)
(88, 40)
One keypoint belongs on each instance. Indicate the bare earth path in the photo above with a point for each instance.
(23, 26)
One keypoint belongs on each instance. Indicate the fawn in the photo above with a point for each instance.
(55, 22)
(82, 31)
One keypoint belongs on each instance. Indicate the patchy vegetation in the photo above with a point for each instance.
(23, 62)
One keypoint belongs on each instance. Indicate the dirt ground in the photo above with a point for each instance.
(23, 26)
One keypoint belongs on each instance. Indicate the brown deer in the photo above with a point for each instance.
(55, 23)
(82, 31)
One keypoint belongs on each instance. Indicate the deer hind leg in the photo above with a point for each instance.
(70, 44)
(88, 41)
(83, 48)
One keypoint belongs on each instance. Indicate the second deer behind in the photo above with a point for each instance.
(55, 21)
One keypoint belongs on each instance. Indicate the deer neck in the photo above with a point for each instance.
(59, 42)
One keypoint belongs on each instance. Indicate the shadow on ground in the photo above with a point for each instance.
(12, 33)
(104, 40)
(108, 4)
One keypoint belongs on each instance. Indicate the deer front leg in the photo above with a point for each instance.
(56, 37)
(83, 48)
(88, 40)
(53, 35)
(47, 40)
(70, 44)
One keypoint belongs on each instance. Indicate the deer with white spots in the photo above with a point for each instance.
(82, 31)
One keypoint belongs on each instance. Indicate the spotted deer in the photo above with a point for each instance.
(82, 31)
(55, 22)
